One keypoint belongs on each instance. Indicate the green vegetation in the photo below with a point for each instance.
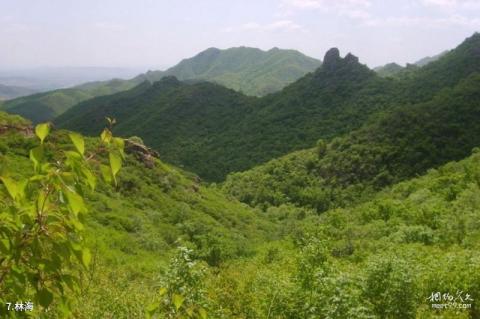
(132, 228)
(380, 259)
(375, 213)
(393, 146)
(394, 69)
(248, 70)
(388, 70)
(426, 60)
(46, 106)
(42, 216)
(212, 131)
(377, 259)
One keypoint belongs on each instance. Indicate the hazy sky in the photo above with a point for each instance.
(158, 33)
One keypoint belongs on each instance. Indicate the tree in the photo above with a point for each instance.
(41, 221)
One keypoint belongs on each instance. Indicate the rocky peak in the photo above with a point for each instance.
(350, 58)
(331, 59)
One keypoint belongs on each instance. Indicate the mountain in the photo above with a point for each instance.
(426, 60)
(212, 130)
(11, 92)
(360, 223)
(250, 70)
(389, 69)
(395, 145)
(45, 106)
(247, 70)
(394, 69)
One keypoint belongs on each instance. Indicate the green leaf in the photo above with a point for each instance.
(42, 130)
(86, 257)
(106, 136)
(91, 180)
(77, 225)
(162, 291)
(203, 313)
(75, 202)
(4, 245)
(78, 141)
(178, 300)
(119, 144)
(115, 163)
(36, 156)
(106, 173)
(11, 186)
(45, 297)
(151, 309)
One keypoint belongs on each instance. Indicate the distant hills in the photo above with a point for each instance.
(46, 106)
(248, 70)
(394, 69)
(213, 131)
(10, 92)
(426, 60)
(43, 79)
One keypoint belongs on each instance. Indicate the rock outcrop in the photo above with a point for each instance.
(143, 153)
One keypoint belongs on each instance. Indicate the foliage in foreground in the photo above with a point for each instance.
(42, 217)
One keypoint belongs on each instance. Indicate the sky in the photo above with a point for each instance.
(154, 34)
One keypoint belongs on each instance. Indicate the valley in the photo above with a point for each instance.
(247, 183)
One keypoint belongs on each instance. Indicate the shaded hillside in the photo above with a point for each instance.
(212, 130)
(447, 71)
(395, 145)
(46, 106)
(249, 70)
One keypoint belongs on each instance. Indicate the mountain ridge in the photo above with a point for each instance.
(314, 94)
(251, 70)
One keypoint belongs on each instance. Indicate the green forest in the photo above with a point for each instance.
(248, 70)
(342, 193)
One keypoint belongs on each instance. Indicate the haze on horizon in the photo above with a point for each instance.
(155, 34)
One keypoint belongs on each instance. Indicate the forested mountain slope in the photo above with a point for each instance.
(380, 259)
(213, 133)
(153, 205)
(47, 105)
(394, 145)
(393, 69)
(249, 70)
(132, 229)
(383, 257)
